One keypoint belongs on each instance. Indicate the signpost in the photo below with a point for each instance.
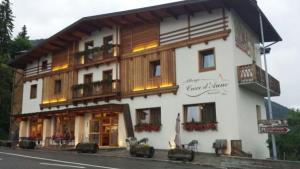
(273, 126)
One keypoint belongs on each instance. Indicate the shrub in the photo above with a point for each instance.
(27, 144)
(87, 148)
(181, 154)
(142, 150)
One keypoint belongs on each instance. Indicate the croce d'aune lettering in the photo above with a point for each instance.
(128, 74)
(198, 87)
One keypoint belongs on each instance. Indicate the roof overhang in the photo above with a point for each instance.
(246, 9)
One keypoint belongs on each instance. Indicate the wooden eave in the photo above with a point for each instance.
(85, 26)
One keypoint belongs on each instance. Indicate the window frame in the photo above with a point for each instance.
(88, 43)
(201, 60)
(201, 115)
(33, 95)
(152, 68)
(152, 110)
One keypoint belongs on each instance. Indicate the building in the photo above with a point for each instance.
(128, 74)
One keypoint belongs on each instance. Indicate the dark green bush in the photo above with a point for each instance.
(142, 150)
(87, 148)
(181, 154)
(27, 144)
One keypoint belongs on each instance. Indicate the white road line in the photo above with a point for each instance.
(61, 165)
(0, 158)
(58, 161)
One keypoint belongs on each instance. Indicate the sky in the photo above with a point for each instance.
(44, 18)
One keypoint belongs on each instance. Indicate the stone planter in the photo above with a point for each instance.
(181, 154)
(142, 151)
(87, 148)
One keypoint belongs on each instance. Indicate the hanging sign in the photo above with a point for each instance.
(273, 126)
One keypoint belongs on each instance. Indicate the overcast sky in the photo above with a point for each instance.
(44, 18)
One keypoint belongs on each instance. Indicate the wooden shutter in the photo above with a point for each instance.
(209, 112)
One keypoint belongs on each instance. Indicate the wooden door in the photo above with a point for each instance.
(107, 78)
(88, 79)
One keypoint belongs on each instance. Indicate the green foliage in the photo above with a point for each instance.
(6, 25)
(8, 49)
(288, 145)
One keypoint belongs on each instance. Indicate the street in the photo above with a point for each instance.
(39, 159)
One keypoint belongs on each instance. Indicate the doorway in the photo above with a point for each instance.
(104, 129)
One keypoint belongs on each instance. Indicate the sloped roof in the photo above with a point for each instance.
(246, 9)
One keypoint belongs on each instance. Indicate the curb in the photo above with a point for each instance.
(137, 158)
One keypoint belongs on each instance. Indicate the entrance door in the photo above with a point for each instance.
(109, 130)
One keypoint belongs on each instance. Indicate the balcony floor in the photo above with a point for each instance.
(258, 88)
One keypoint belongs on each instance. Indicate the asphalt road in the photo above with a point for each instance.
(39, 159)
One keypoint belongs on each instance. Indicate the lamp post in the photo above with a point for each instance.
(268, 85)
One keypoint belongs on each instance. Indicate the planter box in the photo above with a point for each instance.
(181, 154)
(27, 144)
(87, 148)
(142, 151)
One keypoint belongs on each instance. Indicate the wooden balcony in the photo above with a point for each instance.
(253, 78)
(37, 70)
(100, 90)
(96, 56)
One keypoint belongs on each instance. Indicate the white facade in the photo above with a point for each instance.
(235, 106)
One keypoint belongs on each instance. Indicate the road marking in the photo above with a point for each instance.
(0, 158)
(61, 165)
(58, 161)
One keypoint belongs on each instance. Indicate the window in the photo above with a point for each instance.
(155, 68)
(207, 60)
(148, 116)
(108, 41)
(258, 112)
(200, 113)
(88, 78)
(57, 87)
(33, 90)
(44, 65)
(89, 45)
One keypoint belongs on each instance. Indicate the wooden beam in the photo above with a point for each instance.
(56, 45)
(205, 7)
(86, 33)
(172, 13)
(126, 19)
(157, 16)
(141, 18)
(94, 26)
(64, 40)
(188, 10)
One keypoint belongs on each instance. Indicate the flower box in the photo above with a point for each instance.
(193, 126)
(147, 127)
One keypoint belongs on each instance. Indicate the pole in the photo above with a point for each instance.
(268, 86)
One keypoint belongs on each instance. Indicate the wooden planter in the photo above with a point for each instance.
(27, 144)
(181, 154)
(142, 151)
(87, 148)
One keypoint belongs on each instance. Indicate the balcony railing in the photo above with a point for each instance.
(96, 55)
(33, 71)
(95, 90)
(253, 77)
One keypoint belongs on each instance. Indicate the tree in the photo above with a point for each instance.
(288, 145)
(20, 43)
(23, 33)
(6, 28)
